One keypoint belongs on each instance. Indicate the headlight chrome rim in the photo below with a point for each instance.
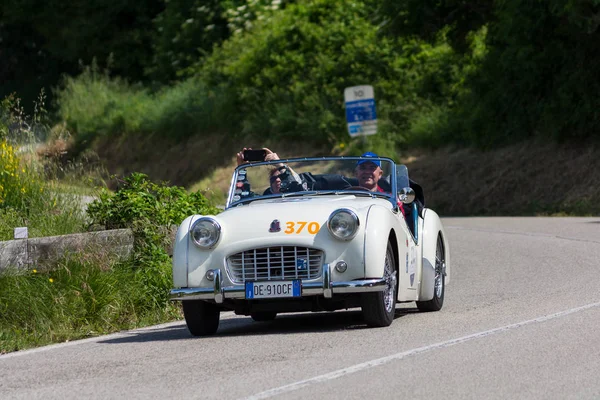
(353, 218)
(214, 229)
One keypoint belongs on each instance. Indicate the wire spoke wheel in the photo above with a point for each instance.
(379, 308)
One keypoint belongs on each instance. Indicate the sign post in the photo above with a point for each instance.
(360, 110)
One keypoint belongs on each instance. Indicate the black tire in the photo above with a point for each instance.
(439, 290)
(202, 318)
(379, 308)
(263, 316)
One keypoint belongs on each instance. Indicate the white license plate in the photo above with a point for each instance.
(273, 289)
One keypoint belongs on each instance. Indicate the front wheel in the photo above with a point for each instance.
(439, 290)
(379, 308)
(202, 318)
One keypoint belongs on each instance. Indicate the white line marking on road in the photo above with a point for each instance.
(88, 340)
(104, 337)
(398, 356)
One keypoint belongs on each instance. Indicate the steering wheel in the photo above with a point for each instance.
(357, 188)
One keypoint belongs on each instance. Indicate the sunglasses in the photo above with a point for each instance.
(283, 174)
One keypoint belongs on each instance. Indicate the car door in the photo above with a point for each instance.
(408, 247)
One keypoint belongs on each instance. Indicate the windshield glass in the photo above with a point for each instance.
(312, 176)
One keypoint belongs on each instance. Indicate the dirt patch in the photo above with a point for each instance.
(163, 159)
(182, 163)
(525, 179)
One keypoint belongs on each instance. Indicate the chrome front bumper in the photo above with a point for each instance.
(325, 288)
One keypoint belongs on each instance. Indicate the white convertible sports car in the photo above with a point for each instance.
(304, 235)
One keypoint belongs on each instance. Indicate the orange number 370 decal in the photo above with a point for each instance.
(298, 226)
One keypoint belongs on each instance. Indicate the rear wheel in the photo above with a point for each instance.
(263, 316)
(439, 289)
(379, 308)
(202, 318)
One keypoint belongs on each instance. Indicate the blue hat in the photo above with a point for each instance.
(369, 154)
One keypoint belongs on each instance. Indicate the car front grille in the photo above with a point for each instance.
(275, 263)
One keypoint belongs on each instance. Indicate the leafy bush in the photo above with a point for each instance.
(95, 105)
(539, 77)
(150, 210)
(289, 73)
(138, 202)
(186, 30)
(282, 79)
(15, 188)
(536, 77)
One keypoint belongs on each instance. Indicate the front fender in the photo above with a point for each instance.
(180, 252)
(432, 227)
(378, 226)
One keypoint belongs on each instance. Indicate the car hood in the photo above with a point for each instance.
(262, 218)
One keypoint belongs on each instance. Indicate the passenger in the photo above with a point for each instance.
(291, 181)
(274, 182)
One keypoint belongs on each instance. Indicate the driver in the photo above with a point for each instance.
(369, 172)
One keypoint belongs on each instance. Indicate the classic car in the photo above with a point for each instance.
(302, 235)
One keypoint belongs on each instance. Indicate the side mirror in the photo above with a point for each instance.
(406, 195)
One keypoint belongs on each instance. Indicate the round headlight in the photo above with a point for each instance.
(205, 232)
(343, 224)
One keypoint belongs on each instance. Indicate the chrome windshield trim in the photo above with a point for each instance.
(230, 203)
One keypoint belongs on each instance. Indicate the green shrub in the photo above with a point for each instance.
(538, 76)
(289, 73)
(150, 210)
(282, 79)
(140, 201)
(93, 104)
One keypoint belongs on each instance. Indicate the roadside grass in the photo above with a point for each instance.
(216, 186)
(84, 294)
(80, 298)
(55, 214)
(32, 198)
(29, 201)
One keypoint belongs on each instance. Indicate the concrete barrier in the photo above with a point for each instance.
(40, 253)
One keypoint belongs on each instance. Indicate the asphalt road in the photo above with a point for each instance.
(521, 320)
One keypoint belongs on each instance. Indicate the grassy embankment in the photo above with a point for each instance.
(82, 295)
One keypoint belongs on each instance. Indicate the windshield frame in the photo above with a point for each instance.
(234, 178)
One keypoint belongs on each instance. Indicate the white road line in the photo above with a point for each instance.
(89, 340)
(398, 356)
(104, 337)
